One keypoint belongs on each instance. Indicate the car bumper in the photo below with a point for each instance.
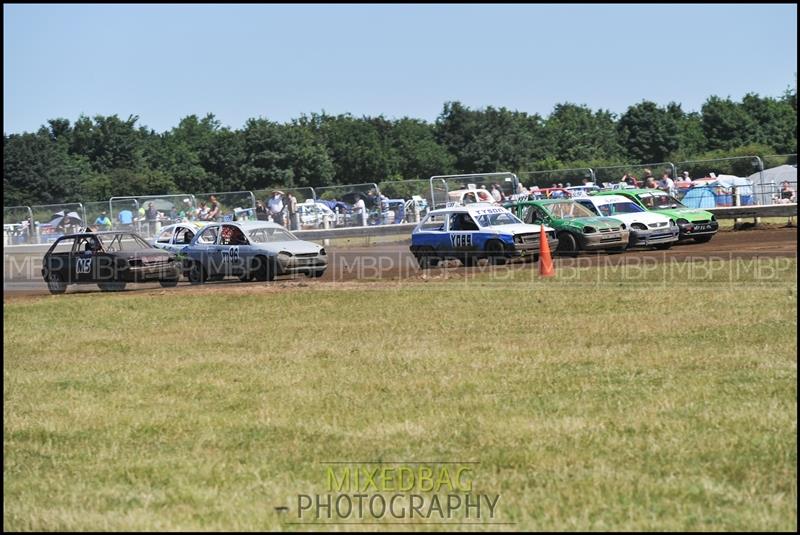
(530, 248)
(645, 238)
(601, 240)
(298, 264)
(690, 230)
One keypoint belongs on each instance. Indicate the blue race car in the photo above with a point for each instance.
(480, 230)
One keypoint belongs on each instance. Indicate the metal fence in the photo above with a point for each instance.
(410, 200)
(280, 210)
(355, 205)
(634, 174)
(18, 227)
(146, 214)
(230, 206)
(554, 177)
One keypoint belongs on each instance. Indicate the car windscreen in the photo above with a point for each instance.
(493, 220)
(122, 242)
(612, 209)
(270, 234)
(568, 210)
(660, 201)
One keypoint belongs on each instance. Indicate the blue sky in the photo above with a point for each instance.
(280, 61)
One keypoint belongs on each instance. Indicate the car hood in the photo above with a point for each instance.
(517, 228)
(596, 222)
(291, 246)
(641, 217)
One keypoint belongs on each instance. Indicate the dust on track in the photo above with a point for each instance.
(381, 265)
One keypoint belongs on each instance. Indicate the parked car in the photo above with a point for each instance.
(470, 233)
(469, 196)
(577, 227)
(109, 259)
(646, 229)
(693, 223)
(248, 250)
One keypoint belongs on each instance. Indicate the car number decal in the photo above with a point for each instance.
(461, 240)
(83, 265)
(231, 255)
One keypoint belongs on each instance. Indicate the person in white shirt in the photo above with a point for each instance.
(496, 193)
(360, 208)
(275, 205)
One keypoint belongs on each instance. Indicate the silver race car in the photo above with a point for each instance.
(250, 250)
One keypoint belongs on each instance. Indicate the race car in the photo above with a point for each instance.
(469, 233)
(647, 229)
(695, 224)
(577, 227)
(248, 250)
(109, 259)
(174, 238)
(469, 196)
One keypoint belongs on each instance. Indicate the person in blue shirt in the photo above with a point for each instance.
(103, 221)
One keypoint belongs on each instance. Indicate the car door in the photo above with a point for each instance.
(59, 260)
(462, 231)
(165, 239)
(82, 260)
(206, 251)
(231, 242)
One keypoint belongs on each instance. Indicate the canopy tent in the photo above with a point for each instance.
(702, 197)
(775, 175)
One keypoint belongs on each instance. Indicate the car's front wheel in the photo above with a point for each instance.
(55, 283)
(496, 253)
(197, 274)
(567, 244)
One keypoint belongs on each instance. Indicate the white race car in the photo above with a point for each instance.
(646, 228)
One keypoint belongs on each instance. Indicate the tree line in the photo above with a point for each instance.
(96, 158)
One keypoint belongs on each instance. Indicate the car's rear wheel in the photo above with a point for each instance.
(168, 283)
(111, 286)
(567, 244)
(197, 275)
(55, 283)
(703, 239)
(496, 253)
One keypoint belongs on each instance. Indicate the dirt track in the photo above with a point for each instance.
(394, 262)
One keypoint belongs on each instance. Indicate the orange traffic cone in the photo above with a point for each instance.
(546, 268)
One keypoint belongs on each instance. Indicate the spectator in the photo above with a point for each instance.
(630, 180)
(185, 213)
(787, 193)
(262, 214)
(275, 205)
(202, 212)
(213, 212)
(496, 195)
(291, 205)
(125, 217)
(102, 221)
(152, 218)
(666, 183)
(650, 182)
(360, 210)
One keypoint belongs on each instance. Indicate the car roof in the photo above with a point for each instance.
(250, 225)
(471, 208)
(636, 190)
(606, 198)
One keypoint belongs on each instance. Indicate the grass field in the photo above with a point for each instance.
(590, 402)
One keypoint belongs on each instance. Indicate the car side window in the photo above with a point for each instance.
(232, 235)
(184, 235)
(462, 222)
(63, 246)
(165, 236)
(208, 236)
(589, 205)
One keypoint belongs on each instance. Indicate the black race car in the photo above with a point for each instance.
(109, 259)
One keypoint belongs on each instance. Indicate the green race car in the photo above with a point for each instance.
(577, 228)
(695, 224)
